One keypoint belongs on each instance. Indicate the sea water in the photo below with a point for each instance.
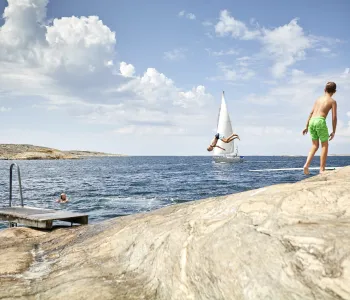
(110, 187)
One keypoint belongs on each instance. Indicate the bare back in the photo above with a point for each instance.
(322, 106)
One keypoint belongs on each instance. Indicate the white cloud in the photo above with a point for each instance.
(22, 34)
(209, 35)
(244, 61)
(75, 43)
(195, 98)
(207, 23)
(150, 130)
(346, 73)
(301, 88)
(155, 89)
(323, 50)
(267, 130)
(189, 16)
(230, 26)
(176, 54)
(181, 13)
(286, 45)
(68, 66)
(68, 44)
(232, 74)
(223, 52)
(126, 70)
(5, 109)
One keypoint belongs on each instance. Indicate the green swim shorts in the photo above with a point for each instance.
(318, 129)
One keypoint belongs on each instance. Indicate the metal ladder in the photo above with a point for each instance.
(13, 224)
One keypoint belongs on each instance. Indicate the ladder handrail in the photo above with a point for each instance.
(19, 184)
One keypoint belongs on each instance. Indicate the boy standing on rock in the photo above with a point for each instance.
(317, 126)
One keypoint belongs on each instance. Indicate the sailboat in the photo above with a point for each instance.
(224, 127)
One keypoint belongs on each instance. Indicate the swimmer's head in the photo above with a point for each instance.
(63, 196)
(210, 148)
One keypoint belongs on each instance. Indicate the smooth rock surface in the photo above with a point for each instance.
(289, 241)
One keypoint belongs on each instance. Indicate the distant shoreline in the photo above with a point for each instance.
(32, 152)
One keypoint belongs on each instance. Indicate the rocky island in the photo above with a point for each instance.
(23, 151)
(287, 241)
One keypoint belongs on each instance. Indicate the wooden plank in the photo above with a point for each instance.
(40, 218)
(26, 210)
(23, 221)
(57, 215)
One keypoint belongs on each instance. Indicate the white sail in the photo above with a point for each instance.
(224, 128)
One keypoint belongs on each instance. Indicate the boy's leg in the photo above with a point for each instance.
(324, 154)
(314, 148)
(323, 134)
(231, 138)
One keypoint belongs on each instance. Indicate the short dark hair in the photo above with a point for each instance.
(331, 87)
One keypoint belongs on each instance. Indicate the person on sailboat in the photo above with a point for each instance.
(217, 137)
(316, 125)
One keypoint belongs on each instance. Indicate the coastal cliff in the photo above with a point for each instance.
(26, 152)
(287, 241)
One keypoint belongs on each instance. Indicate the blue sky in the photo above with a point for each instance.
(145, 78)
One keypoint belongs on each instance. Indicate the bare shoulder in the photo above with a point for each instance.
(317, 100)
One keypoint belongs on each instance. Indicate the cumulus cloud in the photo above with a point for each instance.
(285, 45)
(71, 44)
(23, 32)
(68, 65)
(228, 25)
(126, 70)
(156, 89)
(79, 43)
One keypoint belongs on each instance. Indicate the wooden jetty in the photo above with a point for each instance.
(35, 217)
(38, 217)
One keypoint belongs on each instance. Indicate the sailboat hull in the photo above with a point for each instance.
(228, 159)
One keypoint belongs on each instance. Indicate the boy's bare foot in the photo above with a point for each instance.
(306, 170)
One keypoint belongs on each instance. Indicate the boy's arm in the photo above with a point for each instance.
(220, 147)
(334, 119)
(308, 120)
